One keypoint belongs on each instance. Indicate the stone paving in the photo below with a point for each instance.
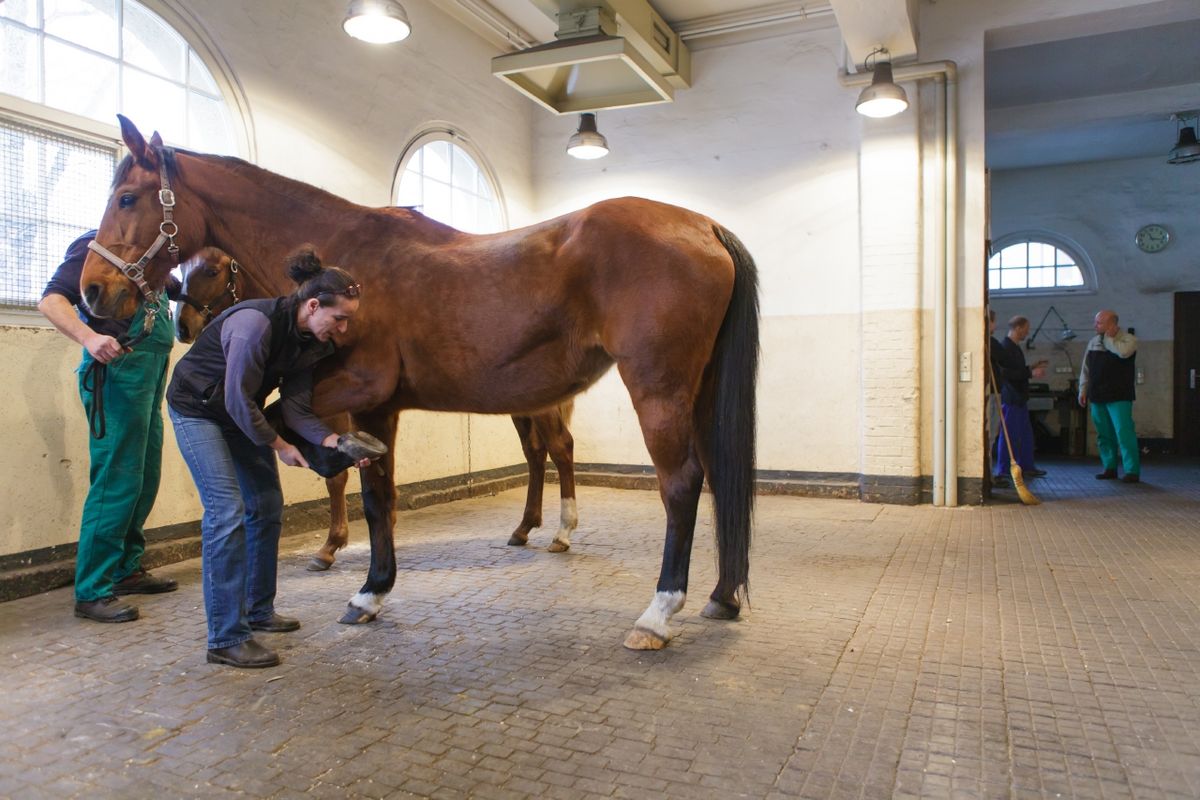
(889, 652)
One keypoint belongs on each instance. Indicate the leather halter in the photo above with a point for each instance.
(231, 291)
(136, 270)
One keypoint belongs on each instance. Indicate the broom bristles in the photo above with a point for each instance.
(1027, 497)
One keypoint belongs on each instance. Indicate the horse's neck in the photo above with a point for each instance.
(262, 218)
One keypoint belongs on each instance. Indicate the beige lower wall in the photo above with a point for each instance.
(44, 460)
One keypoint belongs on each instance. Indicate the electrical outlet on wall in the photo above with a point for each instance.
(964, 367)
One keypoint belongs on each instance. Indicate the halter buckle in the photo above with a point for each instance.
(167, 198)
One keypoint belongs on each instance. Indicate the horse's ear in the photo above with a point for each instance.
(155, 140)
(142, 153)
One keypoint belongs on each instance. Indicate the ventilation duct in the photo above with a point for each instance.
(613, 55)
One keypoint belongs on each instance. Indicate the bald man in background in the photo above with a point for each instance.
(1106, 384)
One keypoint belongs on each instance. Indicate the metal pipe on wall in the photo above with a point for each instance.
(945, 401)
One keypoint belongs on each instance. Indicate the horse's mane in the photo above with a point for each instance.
(427, 228)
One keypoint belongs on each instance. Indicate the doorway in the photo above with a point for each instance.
(1187, 373)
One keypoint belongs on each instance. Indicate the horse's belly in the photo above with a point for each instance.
(522, 386)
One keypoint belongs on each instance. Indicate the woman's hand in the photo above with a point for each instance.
(288, 453)
(332, 441)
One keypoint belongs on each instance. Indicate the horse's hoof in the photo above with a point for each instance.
(356, 616)
(316, 564)
(717, 610)
(642, 639)
(559, 547)
(518, 541)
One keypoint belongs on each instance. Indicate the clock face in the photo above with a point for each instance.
(1152, 238)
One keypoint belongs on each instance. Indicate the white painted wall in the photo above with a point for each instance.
(336, 113)
(765, 142)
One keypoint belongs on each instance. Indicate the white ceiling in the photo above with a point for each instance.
(1084, 88)
(1094, 88)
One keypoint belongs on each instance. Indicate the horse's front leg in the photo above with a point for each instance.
(379, 507)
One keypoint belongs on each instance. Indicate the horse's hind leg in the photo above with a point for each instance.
(535, 456)
(552, 429)
(379, 507)
(667, 427)
(339, 525)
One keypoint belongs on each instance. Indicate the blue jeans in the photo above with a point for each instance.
(239, 487)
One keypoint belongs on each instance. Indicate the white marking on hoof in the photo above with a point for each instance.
(371, 603)
(568, 522)
(657, 617)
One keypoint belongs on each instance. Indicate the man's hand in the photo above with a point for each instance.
(103, 348)
(1083, 399)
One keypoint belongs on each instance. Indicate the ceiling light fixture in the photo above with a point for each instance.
(587, 142)
(1187, 149)
(882, 98)
(377, 21)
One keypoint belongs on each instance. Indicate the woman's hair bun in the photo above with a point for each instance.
(303, 264)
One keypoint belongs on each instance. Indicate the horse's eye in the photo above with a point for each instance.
(211, 272)
(127, 200)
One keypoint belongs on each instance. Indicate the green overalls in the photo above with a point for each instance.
(126, 463)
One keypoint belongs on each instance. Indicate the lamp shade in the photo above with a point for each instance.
(377, 21)
(587, 142)
(882, 98)
(1187, 150)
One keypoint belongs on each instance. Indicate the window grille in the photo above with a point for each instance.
(1024, 264)
(442, 181)
(55, 187)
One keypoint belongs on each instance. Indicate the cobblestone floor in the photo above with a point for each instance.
(890, 652)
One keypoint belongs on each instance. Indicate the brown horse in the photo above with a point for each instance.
(505, 323)
(214, 281)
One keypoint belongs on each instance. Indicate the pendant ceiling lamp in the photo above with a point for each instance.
(377, 21)
(883, 98)
(587, 142)
(1187, 149)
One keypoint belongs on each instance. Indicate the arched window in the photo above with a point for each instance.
(444, 181)
(67, 67)
(1038, 263)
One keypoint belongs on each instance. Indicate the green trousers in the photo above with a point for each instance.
(125, 464)
(1114, 432)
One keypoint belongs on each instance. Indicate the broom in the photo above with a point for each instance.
(1027, 497)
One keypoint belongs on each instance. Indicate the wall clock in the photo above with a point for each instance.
(1152, 238)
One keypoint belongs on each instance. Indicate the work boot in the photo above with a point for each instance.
(1107, 475)
(276, 624)
(247, 655)
(142, 582)
(106, 609)
(1130, 477)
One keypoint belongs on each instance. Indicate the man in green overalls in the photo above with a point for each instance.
(126, 462)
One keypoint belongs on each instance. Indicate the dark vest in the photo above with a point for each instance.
(1110, 377)
(197, 387)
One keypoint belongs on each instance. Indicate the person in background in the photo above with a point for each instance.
(126, 461)
(1013, 375)
(993, 407)
(215, 400)
(1106, 386)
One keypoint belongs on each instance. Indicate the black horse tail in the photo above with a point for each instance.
(732, 432)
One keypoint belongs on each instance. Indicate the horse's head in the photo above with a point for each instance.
(212, 282)
(148, 224)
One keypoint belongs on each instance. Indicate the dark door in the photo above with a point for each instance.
(1187, 373)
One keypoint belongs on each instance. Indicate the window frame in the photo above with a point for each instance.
(444, 132)
(1086, 269)
(56, 120)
